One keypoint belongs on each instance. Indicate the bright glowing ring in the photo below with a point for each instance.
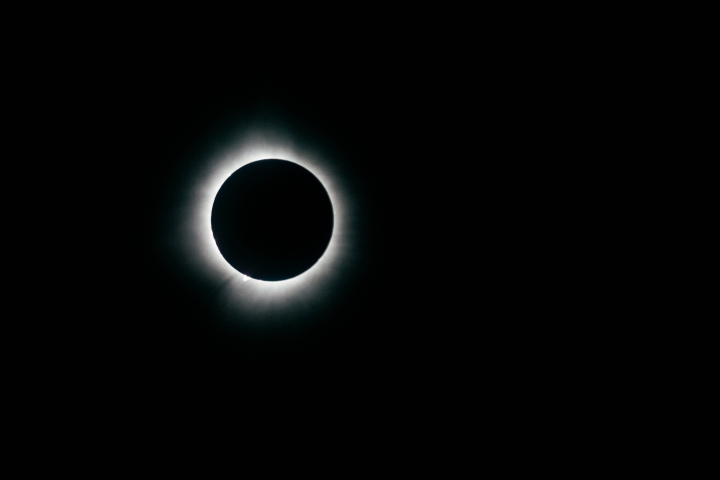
(251, 299)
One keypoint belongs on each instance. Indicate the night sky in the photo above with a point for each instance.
(519, 206)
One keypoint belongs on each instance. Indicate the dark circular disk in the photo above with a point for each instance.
(272, 220)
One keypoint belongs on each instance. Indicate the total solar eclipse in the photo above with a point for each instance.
(272, 220)
(269, 224)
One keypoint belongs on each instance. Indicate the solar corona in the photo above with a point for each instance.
(267, 221)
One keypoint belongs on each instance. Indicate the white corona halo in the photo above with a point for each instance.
(242, 297)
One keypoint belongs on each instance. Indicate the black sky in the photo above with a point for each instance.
(519, 199)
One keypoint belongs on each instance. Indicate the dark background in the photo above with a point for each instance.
(528, 209)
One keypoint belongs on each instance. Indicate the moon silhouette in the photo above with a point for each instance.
(272, 220)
